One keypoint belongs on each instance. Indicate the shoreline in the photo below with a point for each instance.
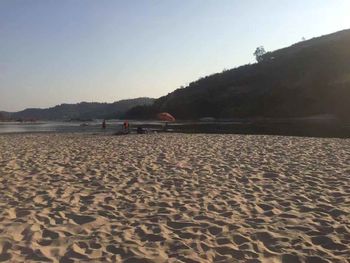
(300, 128)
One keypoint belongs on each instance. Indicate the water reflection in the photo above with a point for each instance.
(95, 126)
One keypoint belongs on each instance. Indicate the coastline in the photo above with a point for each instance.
(283, 127)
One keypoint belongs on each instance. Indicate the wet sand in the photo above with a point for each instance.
(174, 198)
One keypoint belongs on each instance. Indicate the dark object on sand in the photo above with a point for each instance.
(141, 130)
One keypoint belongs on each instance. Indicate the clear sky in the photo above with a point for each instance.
(67, 51)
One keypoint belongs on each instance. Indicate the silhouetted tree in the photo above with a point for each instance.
(259, 53)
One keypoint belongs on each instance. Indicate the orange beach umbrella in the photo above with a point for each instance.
(165, 116)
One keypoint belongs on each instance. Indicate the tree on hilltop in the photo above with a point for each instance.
(259, 54)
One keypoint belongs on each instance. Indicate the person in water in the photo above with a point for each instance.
(104, 124)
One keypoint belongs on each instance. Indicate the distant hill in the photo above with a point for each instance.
(82, 111)
(309, 78)
(4, 116)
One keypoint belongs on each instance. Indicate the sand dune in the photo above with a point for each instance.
(174, 198)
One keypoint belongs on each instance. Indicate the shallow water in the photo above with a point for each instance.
(50, 126)
(85, 127)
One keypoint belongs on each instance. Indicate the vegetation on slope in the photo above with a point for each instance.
(309, 78)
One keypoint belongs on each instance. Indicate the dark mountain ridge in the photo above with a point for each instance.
(81, 111)
(308, 78)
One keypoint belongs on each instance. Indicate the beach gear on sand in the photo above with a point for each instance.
(141, 130)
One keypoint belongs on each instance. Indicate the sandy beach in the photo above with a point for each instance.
(174, 198)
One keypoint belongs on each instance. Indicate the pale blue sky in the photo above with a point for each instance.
(68, 51)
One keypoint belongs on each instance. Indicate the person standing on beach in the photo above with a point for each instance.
(126, 126)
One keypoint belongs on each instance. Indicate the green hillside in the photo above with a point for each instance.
(309, 78)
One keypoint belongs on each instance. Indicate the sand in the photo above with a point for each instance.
(174, 198)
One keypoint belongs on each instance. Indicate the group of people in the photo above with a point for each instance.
(139, 129)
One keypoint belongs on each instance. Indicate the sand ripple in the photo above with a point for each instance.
(174, 198)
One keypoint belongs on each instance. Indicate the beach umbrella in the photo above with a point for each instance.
(165, 116)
